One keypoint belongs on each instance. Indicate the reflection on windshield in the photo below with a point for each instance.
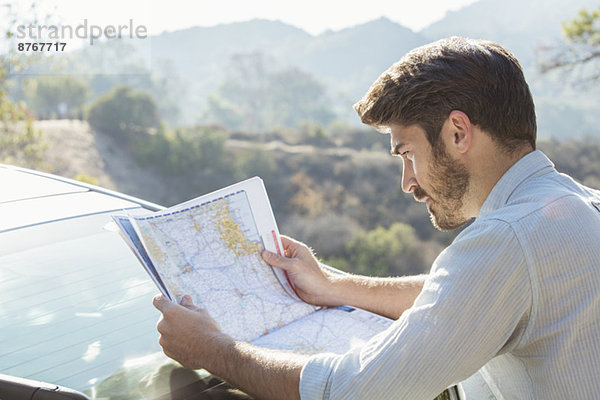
(73, 307)
(76, 311)
(155, 377)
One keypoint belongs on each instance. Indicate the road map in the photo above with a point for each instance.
(210, 248)
(333, 330)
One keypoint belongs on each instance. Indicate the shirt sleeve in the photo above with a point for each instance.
(474, 306)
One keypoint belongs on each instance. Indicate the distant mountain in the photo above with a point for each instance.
(346, 62)
(521, 26)
(201, 55)
(354, 57)
(524, 27)
(206, 49)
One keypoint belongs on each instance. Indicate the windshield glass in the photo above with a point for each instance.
(76, 308)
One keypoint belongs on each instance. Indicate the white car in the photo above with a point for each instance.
(76, 312)
(76, 306)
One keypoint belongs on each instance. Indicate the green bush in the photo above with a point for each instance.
(123, 113)
(61, 96)
(185, 151)
(20, 143)
(255, 162)
(385, 252)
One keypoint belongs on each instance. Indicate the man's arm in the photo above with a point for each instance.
(316, 285)
(191, 337)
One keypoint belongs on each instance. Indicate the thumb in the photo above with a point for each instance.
(188, 303)
(161, 303)
(278, 261)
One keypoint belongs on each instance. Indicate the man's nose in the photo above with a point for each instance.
(409, 182)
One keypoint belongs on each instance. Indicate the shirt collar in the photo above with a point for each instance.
(529, 165)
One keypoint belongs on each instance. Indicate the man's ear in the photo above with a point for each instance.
(460, 131)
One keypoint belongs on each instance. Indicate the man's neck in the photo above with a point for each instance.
(486, 170)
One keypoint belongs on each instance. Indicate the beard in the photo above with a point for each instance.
(449, 182)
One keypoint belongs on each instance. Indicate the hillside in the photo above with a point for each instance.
(341, 193)
(321, 192)
(75, 151)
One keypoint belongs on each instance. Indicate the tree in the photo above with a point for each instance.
(199, 148)
(61, 96)
(20, 143)
(258, 96)
(224, 111)
(385, 252)
(185, 152)
(581, 52)
(124, 113)
(255, 161)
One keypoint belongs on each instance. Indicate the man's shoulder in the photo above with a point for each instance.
(542, 197)
(545, 217)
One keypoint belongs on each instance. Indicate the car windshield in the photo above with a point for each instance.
(75, 306)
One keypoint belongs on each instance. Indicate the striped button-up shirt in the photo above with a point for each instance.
(516, 296)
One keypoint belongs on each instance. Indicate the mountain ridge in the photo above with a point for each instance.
(348, 60)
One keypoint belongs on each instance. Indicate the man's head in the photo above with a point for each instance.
(479, 78)
(458, 111)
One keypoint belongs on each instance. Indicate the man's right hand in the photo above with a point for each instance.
(313, 284)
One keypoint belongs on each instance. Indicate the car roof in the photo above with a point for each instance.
(30, 197)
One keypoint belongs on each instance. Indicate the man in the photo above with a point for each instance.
(516, 295)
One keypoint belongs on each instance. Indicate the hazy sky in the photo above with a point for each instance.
(314, 16)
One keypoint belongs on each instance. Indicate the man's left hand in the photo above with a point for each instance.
(187, 333)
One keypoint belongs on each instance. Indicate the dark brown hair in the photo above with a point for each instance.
(479, 78)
